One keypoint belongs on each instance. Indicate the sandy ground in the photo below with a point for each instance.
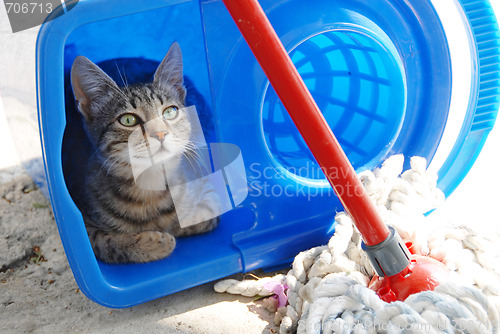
(39, 295)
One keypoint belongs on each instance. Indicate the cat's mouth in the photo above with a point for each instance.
(164, 155)
(160, 156)
(155, 154)
(150, 164)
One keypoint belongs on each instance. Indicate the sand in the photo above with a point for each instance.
(38, 293)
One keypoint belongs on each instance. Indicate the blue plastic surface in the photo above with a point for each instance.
(380, 71)
(485, 95)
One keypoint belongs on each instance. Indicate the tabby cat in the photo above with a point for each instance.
(125, 221)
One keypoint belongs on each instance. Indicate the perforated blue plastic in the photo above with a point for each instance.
(360, 86)
(379, 70)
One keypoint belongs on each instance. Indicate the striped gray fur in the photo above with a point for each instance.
(127, 222)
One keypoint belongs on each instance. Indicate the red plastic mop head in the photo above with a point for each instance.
(423, 273)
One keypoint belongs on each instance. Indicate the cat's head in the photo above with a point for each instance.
(134, 123)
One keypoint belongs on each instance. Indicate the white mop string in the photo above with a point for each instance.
(327, 285)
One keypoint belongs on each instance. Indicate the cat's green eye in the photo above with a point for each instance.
(129, 120)
(170, 112)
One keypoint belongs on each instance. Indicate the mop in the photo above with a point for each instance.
(326, 290)
(327, 286)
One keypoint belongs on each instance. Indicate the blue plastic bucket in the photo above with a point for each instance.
(380, 71)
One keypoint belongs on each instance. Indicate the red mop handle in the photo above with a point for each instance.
(284, 77)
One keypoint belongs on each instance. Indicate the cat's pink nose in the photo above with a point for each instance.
(159, 135)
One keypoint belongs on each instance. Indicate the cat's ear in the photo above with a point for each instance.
(91, 86)
(169, 73)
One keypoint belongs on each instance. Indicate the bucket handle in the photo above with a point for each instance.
(484, 101)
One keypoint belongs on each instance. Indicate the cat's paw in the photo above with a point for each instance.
(152, 245)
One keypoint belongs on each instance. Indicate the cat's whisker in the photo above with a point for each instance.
(188, 158)
(202, 169)
(189, 146)
(104, 165)
(124, 78)
(198, 159)
(112, 164)
(198, 143)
